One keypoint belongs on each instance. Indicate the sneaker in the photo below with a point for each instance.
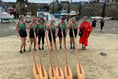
(29, 49)
(71, 47)
(83, 48)
(24, 50)
(42, 48)
(60, 47)
(21, 51)
(39, 48)
(65, 47)
(35, 49)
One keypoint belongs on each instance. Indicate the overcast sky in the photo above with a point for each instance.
(42, 1)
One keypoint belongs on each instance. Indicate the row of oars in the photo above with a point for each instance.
(39, 72)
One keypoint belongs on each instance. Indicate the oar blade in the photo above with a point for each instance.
(52, 73)
(61, 75)
(42, 75)
(36, 75)
(68, 72)
(80, 75)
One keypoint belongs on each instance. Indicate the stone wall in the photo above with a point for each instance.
(94, 9)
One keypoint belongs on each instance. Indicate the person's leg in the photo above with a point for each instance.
(101, 28)
(65, 41)
(83, 47)
(93, 28)
(43, 38)
(50, 39)
(51, 45)
(39, 41)
(73, 43)
(55, 46)
(31, 40)
(21, 46)
(34, 44)
(55, 41)
(24, 44)
(70, 42)
(60, 42)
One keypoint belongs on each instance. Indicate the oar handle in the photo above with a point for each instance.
(32, 52)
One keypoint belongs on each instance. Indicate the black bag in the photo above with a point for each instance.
(80, 33)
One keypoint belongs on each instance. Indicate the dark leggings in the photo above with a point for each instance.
(41, 35)
(102, 27)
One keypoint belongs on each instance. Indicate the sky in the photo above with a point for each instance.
(42, 1)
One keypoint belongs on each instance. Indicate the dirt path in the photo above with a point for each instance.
(14, 65)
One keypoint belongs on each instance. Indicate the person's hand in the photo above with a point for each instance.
(66, 33)
(83, 25)
(17, 35)
(55, 35)
(88, 30)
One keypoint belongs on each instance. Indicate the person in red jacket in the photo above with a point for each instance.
(85, 28)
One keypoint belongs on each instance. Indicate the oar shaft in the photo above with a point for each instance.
(38, 49)
(32, 53)
(64, 47)
(49, 53)
(65, 51)
(54, 47)
(76, 50)
(39, 54)
(55, 53)
(48, 48)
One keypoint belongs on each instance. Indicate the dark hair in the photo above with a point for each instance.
(42, 19)
(63, 18)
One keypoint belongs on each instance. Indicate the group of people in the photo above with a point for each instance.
(94, 23)
(54, 31)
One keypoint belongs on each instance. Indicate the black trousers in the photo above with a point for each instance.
(53, 34)
(41, 36)
(101, 27)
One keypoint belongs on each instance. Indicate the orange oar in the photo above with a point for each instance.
(42, 70)
(80, 70)
(52, 74)
(59, 72)
(68, 72)
(35, 66)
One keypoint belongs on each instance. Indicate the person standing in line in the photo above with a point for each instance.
(21, 31)
(102, 24)
(62, 27)
(73, 26)
(52, 29)
(41, 33)
(33, 28)
(86, 29)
